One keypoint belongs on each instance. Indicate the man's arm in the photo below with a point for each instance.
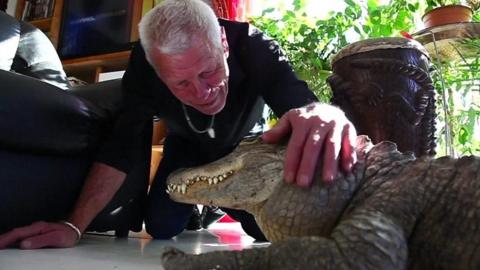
(317, 131)
(103, 181)
(100, 185)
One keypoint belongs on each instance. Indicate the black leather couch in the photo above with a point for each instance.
(50, 133)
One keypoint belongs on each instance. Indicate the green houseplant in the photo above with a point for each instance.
(309, 44)
(457, 85)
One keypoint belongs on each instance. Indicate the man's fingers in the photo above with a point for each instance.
(311, 153)
(293, 153)
(50, 239)
(279, 131)
(317, 131)
(18, 234)
(8, 239)
(331, 146)
(348, 154)
(38, 235)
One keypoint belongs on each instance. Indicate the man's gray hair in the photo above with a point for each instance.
(173, 25)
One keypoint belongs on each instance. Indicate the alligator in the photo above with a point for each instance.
(393, 211)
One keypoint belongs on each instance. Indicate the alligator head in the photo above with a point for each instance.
(243, 179)
(251, 178)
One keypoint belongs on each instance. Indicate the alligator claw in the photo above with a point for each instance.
(172, 258)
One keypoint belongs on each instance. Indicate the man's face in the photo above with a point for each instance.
(198, 77)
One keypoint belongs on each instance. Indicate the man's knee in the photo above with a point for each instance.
(163, 229)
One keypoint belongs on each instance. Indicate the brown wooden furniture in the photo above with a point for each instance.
(51, 25)
(85, 68)
(89, 68)
(159, 134)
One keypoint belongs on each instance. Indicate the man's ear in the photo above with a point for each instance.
(224, 41)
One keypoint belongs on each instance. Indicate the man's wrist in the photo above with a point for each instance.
(73, 227)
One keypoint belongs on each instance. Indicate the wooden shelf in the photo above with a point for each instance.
(42, 24)
(111, 61)
(88, 68)
(85, 68)
(51, 25)
(451, 40)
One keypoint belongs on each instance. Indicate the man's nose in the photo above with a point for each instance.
(202, 89)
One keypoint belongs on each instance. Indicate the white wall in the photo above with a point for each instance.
(12, 4)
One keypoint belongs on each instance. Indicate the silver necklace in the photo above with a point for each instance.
(209, 130)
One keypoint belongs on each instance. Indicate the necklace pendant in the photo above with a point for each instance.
(211, 133)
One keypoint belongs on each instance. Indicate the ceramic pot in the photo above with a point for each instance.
(446, 15)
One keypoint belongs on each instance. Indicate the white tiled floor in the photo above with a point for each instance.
(137, 252)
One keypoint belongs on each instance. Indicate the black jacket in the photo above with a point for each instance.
(259, 72)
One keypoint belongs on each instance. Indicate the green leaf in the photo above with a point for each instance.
(412, 7)
(266, 11)
(367, 29)
(290, 14)
(350, 3)
(463, 136)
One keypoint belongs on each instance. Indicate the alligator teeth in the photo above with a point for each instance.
(182, 188)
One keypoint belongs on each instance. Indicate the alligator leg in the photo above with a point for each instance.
(247, 259)
(367, 240)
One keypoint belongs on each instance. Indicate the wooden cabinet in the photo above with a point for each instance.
(50, 25)
(85, 68)
(89, 68)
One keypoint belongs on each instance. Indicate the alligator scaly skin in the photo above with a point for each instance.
(392, 212)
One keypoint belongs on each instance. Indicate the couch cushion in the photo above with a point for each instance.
(9, 39)
(38, 117)
(36, 57)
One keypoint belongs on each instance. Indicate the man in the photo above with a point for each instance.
(208, 79)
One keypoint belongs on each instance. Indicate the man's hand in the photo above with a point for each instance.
(316, 129)
(38, 235)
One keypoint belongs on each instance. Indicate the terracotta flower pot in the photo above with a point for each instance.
(446, 15)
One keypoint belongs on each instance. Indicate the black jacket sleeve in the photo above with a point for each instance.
(135, 117)
(281, 88)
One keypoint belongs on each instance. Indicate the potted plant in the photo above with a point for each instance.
(440, 12)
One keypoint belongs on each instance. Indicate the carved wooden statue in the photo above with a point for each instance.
(384, 87)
